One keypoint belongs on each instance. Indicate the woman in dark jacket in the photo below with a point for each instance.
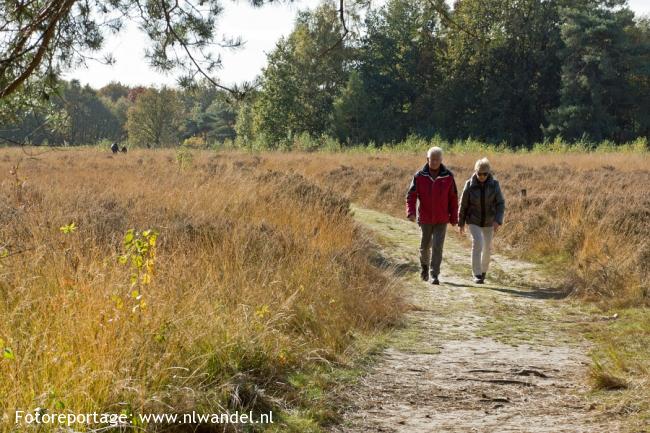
(482, 207)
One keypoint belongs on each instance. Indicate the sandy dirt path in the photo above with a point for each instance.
(495, 358)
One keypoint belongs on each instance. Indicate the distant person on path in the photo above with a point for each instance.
(115, 148)
(482, 207)
(435, 189)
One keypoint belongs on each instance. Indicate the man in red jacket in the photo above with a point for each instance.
(434, 186)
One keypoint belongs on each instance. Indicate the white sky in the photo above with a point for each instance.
(260, 28)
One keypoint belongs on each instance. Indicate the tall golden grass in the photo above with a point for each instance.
(257, 274)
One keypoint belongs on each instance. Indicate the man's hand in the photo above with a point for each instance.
(461, 229)
(411, 218)
(496, 226)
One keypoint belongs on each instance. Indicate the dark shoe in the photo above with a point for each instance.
(483, 276)
(434, 280)
(478, 279)
(425, 273)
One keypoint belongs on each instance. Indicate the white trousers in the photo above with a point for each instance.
(481, 247)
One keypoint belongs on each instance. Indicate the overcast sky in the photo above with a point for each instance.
(260, 28)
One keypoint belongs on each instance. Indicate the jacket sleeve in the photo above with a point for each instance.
(464, 202)
(411, 198)
(453, 202)
(501, 204)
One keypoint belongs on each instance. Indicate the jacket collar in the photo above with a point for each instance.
(475, 182)
(442, 171)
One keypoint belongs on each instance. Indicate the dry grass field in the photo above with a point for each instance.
(246, 278)
(255, 273)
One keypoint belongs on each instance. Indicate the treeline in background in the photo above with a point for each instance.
(143, 117)
(513, 73)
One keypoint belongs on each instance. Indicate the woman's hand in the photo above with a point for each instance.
(496, 226)
(461, 229)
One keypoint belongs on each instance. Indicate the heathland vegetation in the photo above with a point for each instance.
(178, 280)
(216, 266)
(141, 285)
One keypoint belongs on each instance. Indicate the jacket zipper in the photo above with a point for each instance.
(483, 205)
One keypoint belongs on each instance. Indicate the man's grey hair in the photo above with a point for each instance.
(482, 164)
(435, 150)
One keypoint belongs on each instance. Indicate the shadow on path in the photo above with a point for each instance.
(534, 293)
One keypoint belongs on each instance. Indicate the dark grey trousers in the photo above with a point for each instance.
(433, 238)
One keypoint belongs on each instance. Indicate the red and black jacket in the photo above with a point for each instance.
(438, 197)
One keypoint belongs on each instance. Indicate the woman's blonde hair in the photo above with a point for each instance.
(482, 164)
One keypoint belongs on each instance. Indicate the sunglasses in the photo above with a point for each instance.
(482, 174)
